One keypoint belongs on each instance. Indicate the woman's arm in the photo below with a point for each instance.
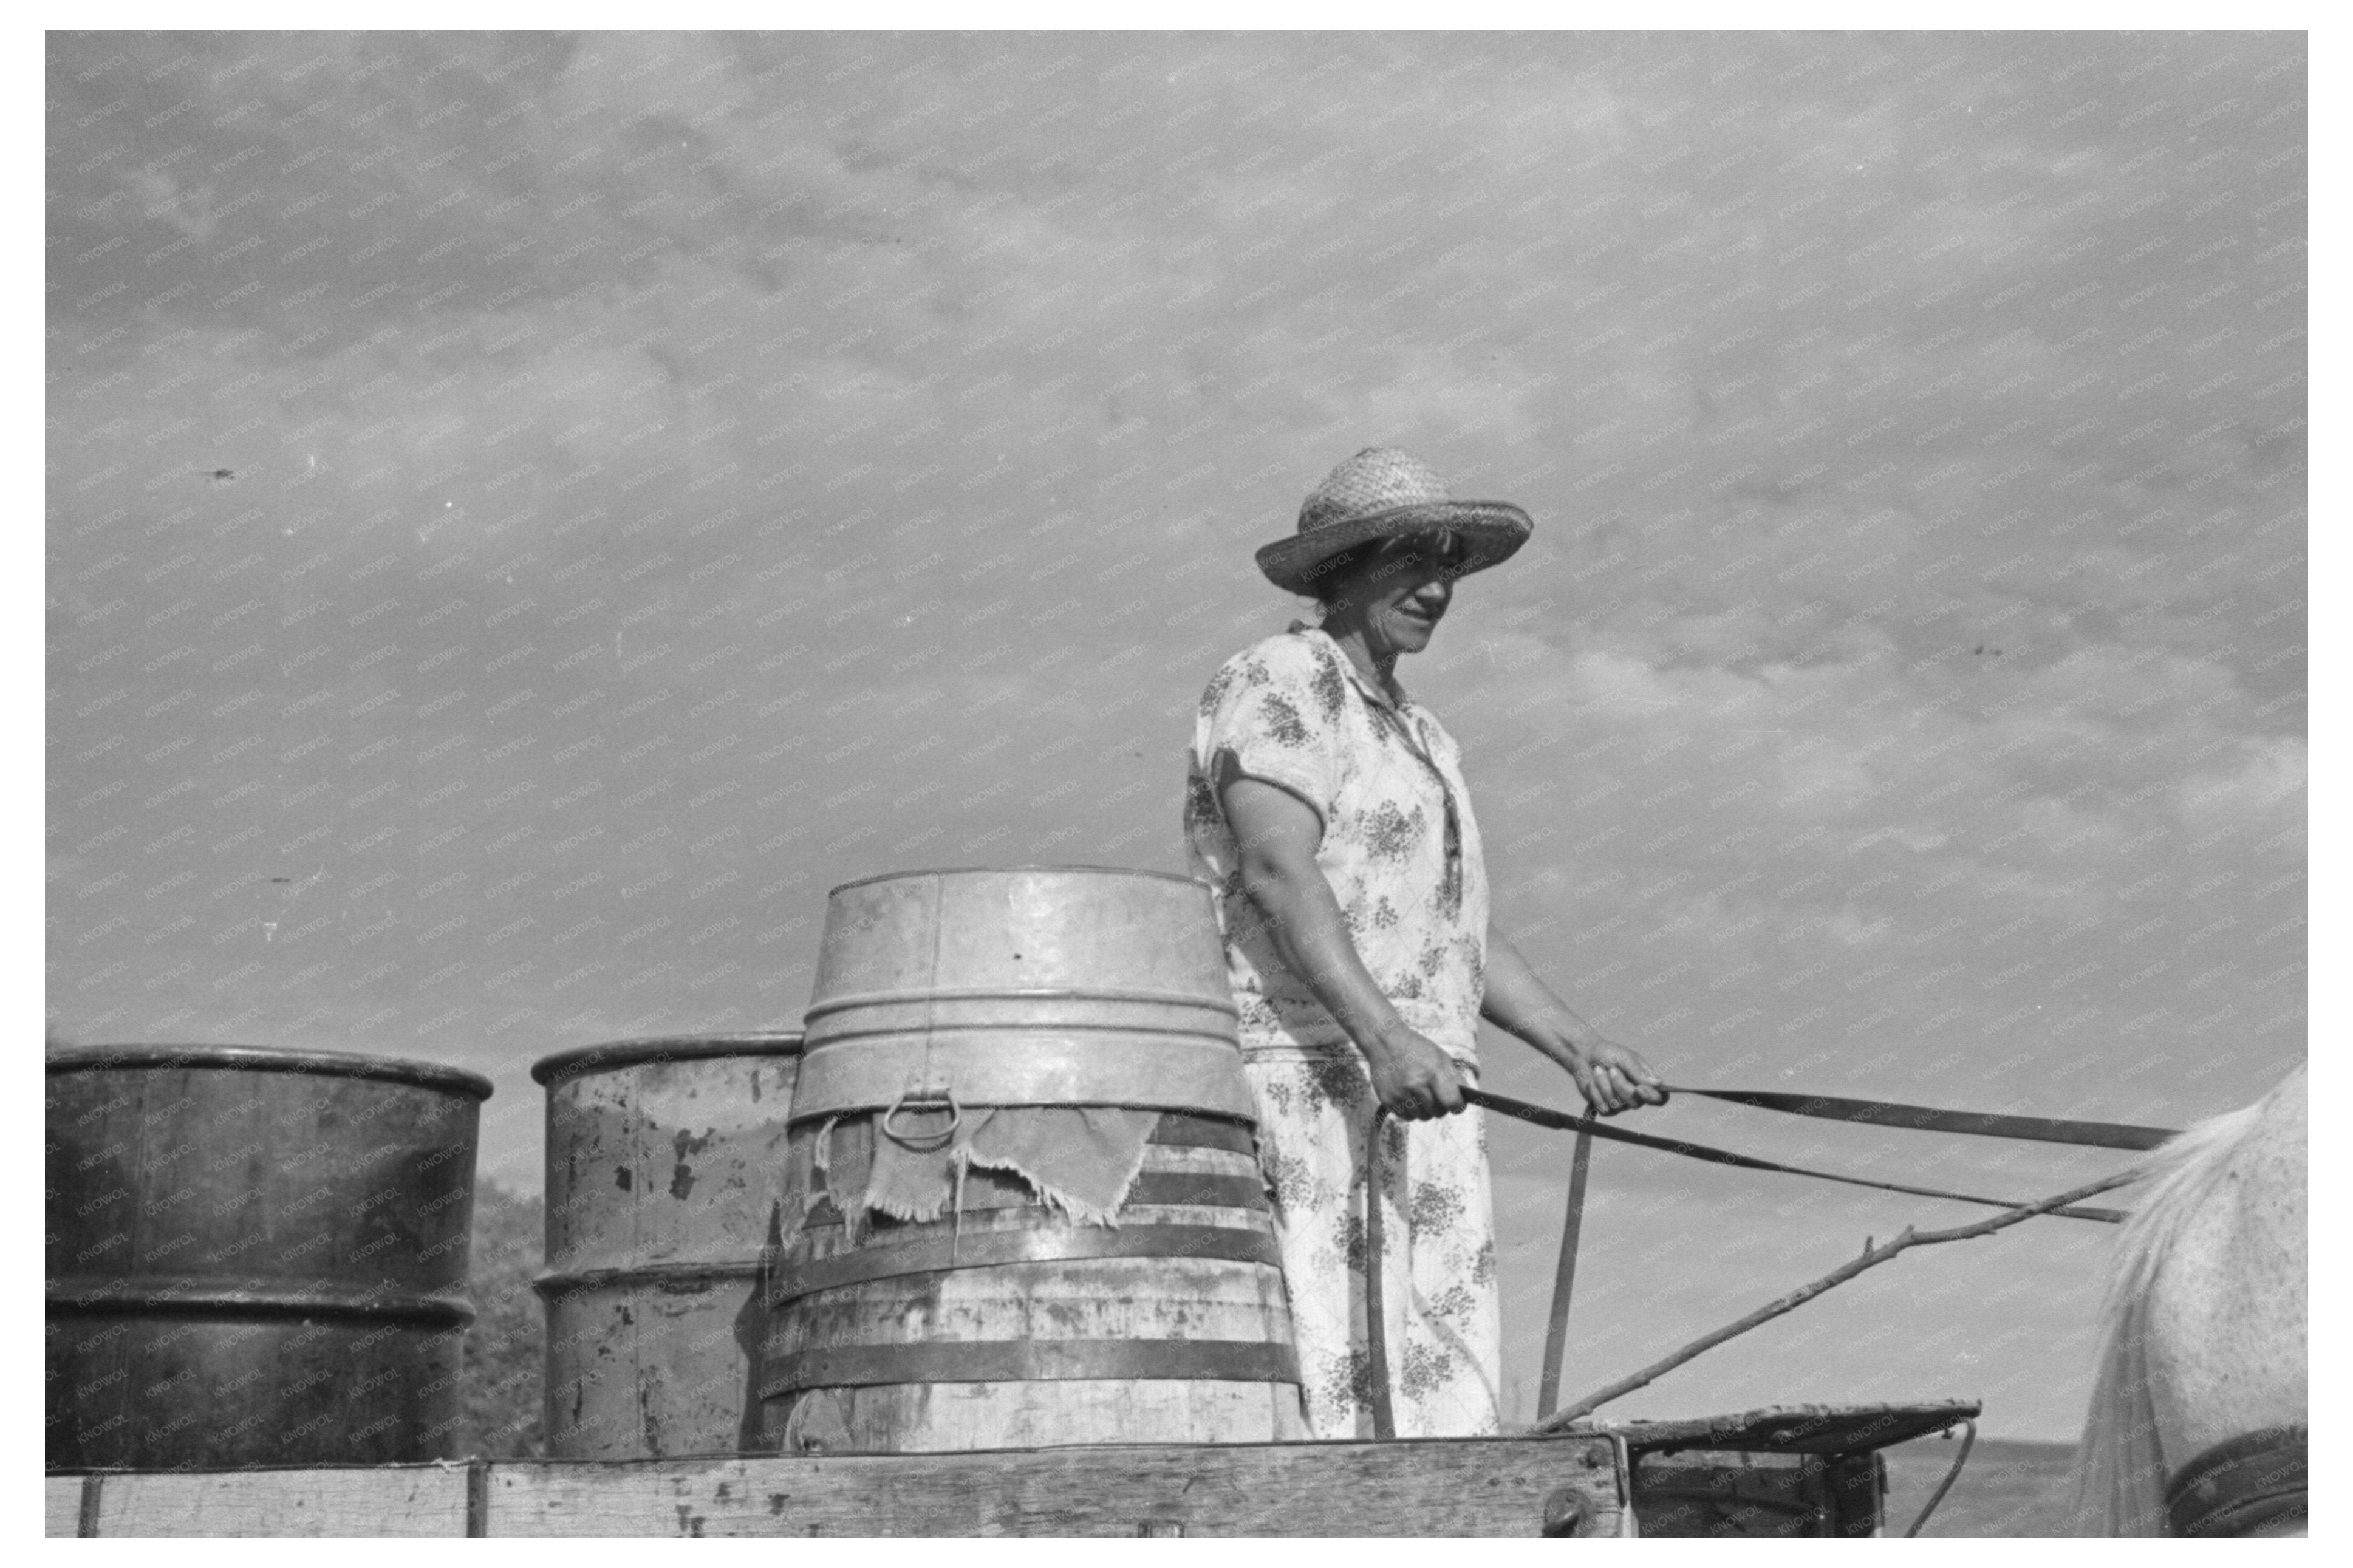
(1276, 834)
(1611, 1077)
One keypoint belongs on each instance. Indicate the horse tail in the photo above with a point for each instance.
(2120, 1469)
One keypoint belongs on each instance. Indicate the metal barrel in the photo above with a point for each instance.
(662, 1157)
(256, 1257)
(1007, 1324)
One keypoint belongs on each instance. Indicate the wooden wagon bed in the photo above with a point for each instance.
(1799, 1470)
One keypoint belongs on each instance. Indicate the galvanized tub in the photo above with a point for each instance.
(1007, 1324)
(1033, 985)
(662, 1157)
(256, 1257)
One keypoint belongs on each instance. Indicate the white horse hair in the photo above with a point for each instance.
(2203, 1326)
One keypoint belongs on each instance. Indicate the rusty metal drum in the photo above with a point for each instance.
(256, 1256)
(662, 1158)
(1007, 1323)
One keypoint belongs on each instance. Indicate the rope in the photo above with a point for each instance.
(1968, 1441)
(1562, 1121)
(1876, 1112)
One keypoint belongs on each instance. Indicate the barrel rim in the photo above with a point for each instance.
(999, 871)
(580, 1060)
(270, 1059)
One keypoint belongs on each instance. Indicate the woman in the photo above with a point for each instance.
(1328, 810)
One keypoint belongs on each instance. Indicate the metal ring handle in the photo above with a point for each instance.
(935, 1141)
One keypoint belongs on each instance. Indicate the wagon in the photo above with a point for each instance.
(1800, 1471)
(1811, 1470)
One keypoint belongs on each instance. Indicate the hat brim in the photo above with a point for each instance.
(1492, 531)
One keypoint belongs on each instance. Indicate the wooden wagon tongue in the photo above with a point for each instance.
(1791, 1428)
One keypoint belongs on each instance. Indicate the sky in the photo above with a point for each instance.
(527, 515)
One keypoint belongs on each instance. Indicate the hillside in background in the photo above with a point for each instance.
(506, 1349)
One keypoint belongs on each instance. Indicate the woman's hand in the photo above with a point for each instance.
(1613, 1078)
(1415, 1078)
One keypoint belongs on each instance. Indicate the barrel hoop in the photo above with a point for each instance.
(1058, 1027)
(1164, 1188)
(1026, 1066)
(1222, 1005)
(1152, 1189)
(1062, 1244)
(612, 1056)
(671, 1278)
(941, 873)
(1182, 1130)
(134, 1296)
(268, 1058)
(1032, 1361)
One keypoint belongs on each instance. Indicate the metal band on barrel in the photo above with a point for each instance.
(1153, 1189)
(1180, 1130)
(667, 1277)
(979, 1249)
(120, 1297)
(1199, 1073)
(1173, 1188)
(1032, 1361)
(611, 1055)
(1160, 1189)
(1019, 1003)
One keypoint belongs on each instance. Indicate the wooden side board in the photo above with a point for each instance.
(386, 1500)
(60, 1506)
(1469, 1486)
(1452, 1487)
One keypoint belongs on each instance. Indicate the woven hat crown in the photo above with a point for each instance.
(1382, 492)
(1376, 479)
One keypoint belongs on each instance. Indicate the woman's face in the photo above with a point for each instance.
(1398, 599)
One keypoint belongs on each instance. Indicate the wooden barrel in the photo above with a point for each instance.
(661, 1164)
(256, 1257)
(1008, 1324)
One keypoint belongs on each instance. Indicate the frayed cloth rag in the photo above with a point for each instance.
(1080, 1159)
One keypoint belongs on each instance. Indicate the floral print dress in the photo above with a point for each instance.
(1402, 853)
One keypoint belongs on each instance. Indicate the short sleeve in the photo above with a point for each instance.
(1278, 709)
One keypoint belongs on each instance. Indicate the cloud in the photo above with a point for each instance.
(694, 470)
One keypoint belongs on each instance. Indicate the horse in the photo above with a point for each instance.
(2197, 1420)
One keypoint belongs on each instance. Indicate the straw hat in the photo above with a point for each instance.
(1382, 491)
